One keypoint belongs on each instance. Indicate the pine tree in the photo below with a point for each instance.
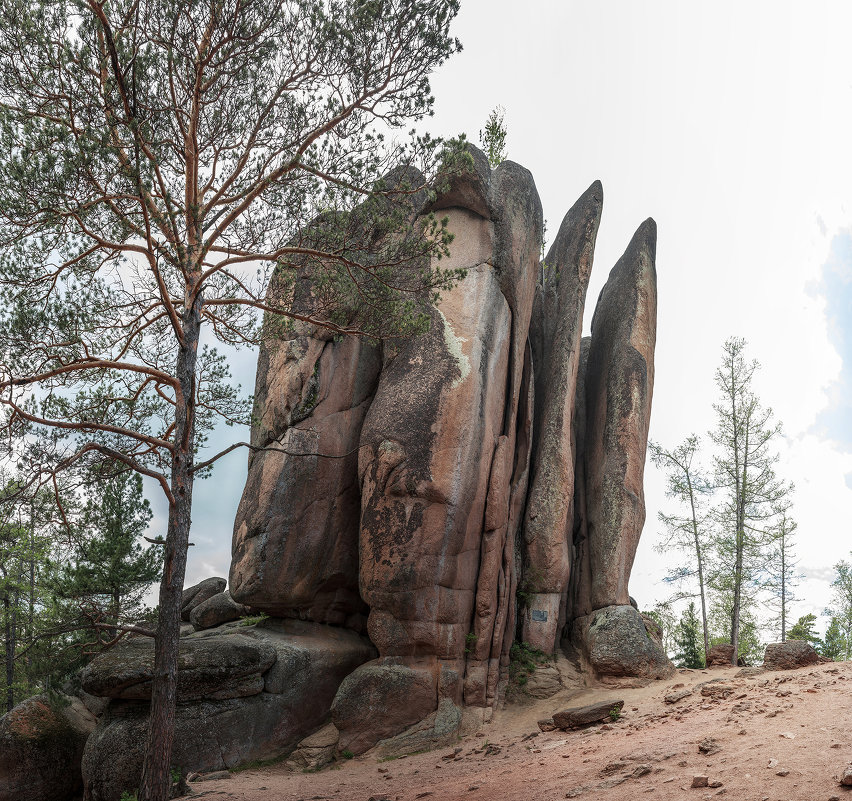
(745, 473)
(803, 629)
(112, 569)
(782, 576)
(161, 162)
(841, 605)
(688, 531)
(687, 639)
(834, 644)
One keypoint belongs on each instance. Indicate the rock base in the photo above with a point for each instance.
(617, 645)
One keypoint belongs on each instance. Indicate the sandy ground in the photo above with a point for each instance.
(776, 736)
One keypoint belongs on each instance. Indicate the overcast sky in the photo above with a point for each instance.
(730, 124)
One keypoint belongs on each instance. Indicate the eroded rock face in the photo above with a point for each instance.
(295, 546)
(619, 386)
(41, 748)
(199, 593)
(215, 611)
(498, 456)
(444, 454)
(555, 336)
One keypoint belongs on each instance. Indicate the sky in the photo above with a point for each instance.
(730, 123)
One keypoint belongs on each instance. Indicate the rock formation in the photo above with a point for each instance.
(245, 692)
(41, 747)
(447, 494)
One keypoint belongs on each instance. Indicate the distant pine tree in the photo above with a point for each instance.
(688, 638)
(834, 644)
(803, 629)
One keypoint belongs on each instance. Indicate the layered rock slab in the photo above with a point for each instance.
(216, 732)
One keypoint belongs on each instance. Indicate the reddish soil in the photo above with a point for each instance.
(775, 736)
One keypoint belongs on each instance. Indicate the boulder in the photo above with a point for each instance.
(216, 610)
(789, 655)
(583, 715)
(380, 700)
(315, 751)
(198, 593)
(619, 387)
(41, 748)
(721, 655)
(555, 335)
(617, 644)
(219, 734)
(226, 666)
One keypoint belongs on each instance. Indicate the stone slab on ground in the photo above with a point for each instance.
(592, 713)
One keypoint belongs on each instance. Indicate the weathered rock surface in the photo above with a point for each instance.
(315, 751)
(616, 643)
(619, 388)
(309, 661)
(228, 666)
(720, 655)
(41, 748)
(438, 729)
(497, 456)
(379, 700)
(555, 335)
(582, 715)
(789, 655)
(295, 546)
(442, 465)
(216, 610)
(198, 593)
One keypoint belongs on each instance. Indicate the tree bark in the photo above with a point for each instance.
(158, 751)
(10, 652)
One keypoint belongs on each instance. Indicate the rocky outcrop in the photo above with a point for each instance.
(592, 713)
(226, 666)
(490, 467)
(789, 655)
(619, 386)
(241, 696)
(199, 593)
(443, 459)
(41, 748)
(315, 751)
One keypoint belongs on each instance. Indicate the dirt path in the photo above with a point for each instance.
(776, 736)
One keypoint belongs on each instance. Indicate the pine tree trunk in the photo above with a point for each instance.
(10, 652)
(158, 751)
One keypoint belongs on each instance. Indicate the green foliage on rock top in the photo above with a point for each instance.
(493, 137)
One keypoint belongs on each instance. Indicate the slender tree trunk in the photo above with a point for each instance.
(157, 765)
(783, 589)
(10, 652)
(699, 559)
